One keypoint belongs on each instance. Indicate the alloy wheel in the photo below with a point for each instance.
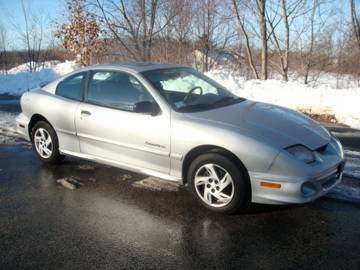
(43, 143)
(214, 185)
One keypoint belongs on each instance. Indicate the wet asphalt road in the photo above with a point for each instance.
(109, 224)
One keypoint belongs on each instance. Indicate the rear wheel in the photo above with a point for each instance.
(45, 143)
(218, 184)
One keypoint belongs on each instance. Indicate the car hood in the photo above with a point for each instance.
(280, 126)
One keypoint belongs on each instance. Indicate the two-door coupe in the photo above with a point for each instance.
(173, 122)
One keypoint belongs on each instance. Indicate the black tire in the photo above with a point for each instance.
(241, 196)
(55, 156)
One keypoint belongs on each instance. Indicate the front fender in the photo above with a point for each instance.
(255, 154)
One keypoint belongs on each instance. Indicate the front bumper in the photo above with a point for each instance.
(295, 190)
(22, 122)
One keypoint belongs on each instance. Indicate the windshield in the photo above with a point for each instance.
(187, 90)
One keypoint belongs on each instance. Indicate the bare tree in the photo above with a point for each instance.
(241, 23)
(182, 23)
(31, 37)
(134, 24)
(253, 23)
(174, 44)
(316, 39)
(355, 21)
(310, 51)
(213, 31)
(3, 48)
(289, 11)
(261, 8)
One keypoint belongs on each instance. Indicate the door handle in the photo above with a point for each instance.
(85, 113)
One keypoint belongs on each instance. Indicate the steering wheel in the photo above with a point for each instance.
(188, 95)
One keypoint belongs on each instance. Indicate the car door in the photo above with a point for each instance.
(109, 127)
(60, 110)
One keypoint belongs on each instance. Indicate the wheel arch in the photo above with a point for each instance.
(34, 119)
(202, 149)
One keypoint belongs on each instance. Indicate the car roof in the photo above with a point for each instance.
(137, 66)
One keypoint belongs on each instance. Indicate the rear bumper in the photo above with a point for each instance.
(22, 123)
(295, 190)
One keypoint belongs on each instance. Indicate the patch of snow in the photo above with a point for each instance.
(343, 103)
(125, 177)
(69, 183)
(66, 184)
(352, 153)
(19, 79)
(7, 123)
(345, 193)
(327, 79)
(26, 66)
(352, 165)
(156, 184)
(8, 134)
(347, 134)
(333, 80)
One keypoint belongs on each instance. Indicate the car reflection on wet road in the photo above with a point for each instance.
(110, 222)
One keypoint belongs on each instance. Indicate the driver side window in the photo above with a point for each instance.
(117, 90)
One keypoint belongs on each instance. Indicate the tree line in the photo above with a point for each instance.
(266, 37)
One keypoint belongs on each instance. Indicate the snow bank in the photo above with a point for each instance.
(19, 79)
(352, 165)
(8, 134)
(343, 103)
(321, 99)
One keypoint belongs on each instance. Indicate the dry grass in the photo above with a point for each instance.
(325, 118)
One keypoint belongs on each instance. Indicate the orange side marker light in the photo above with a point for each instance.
(270, 185)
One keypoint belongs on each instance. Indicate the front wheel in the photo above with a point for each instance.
(218, 184)
(45, 143)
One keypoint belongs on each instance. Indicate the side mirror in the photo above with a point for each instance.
(147, 107)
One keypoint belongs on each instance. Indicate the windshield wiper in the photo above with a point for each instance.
(202, 106)
(228, 100)
(196, 107)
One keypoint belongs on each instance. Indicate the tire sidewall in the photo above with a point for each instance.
(55, 152)
(239, 180)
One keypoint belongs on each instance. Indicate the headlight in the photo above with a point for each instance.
(302, 153)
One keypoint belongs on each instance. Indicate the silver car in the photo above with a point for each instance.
(172, 122)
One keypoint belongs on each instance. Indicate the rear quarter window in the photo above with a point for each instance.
(71, 87)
